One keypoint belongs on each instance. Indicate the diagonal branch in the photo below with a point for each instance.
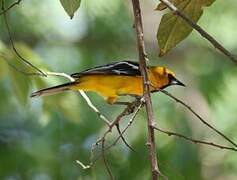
(201, 31)
(170, 133)
(104, 159)
(127, 126)
(123, 139)
(199, 117)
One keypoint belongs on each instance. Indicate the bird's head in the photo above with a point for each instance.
(164, 77)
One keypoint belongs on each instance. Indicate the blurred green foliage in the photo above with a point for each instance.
(41, 139)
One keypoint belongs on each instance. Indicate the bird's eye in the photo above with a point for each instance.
(170, 76)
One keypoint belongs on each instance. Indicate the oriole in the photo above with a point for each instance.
(116, 79)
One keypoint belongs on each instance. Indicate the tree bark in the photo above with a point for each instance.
(142, 62)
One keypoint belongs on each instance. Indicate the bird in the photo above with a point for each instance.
(114, 80)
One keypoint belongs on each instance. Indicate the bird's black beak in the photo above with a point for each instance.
(175, 81)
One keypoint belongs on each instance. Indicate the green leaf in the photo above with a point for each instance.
(70, 6)
(173, 29)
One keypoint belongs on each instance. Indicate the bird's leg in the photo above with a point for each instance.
(130, 106)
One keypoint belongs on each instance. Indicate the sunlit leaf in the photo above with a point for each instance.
(173, 29)
(70, 6)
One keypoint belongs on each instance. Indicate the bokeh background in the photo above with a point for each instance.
(41, 139)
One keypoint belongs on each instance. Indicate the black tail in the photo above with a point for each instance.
(52, 90)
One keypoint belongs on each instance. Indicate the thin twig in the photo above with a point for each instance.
(104, 159)
(83, 165)
(130, 109)
(127, 111)
(170, 133)
(25, 61)
(9, 7)
(200, 30)
(198, 116)
(17, 68)
(143, 68)
(123, 139)
(128, 125)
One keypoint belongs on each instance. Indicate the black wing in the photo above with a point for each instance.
(128, 68)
